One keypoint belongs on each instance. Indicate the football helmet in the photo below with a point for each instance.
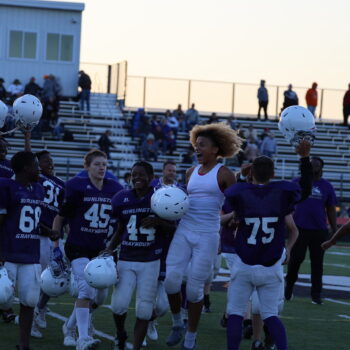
(3, 113)
(297, 123)
(54, 284)
(170, 203)
(101, 272)
(27, 111)
(6, 286)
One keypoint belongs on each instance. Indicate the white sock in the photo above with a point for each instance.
(72, 320)
(177, 320)
(82, 315)
(190, 339)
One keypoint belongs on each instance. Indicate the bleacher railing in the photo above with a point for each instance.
(107, 78)
(223, 97)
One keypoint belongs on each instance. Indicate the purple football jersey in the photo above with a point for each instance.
(6, 169)
(138, 243)
(90, 215)
(54, 194)
(20, 231)
(227, 233)
(261, 211)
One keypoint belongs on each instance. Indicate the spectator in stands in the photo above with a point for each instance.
(32, 88)
(180, 117)
(312, 99)
(50, 97)
(15, 90)
(137, 118)
(154, 122)
(290, 97)
(346, 106)
(240, 155)
(231, 121)
(174, 123)
(170, 142)
(125, 181)
(191, 118)
(165, 130)
(264, 134)
(251, 134)
(3, 92)
(85, 85)
(190, 157)
(251, 151)
(269, 146)
(149, 148)
(263, 99)
(145, 128)
(67, 134)
(213, 119)
(58, 130)
(105, 143)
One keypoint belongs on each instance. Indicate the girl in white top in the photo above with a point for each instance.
(197, 237)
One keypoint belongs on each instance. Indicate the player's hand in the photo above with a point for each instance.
(303, 149)
(106, 251)
(151, 221)
(54, 235)
(233, 222)
(327, 244)
(245, 169)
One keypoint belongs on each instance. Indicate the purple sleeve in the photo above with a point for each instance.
(231, 196)
(331, 197)
(4, 198)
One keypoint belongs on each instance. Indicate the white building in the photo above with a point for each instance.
(39, 38)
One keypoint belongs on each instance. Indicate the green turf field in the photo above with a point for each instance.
(309, 327)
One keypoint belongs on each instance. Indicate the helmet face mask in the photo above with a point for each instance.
(3, 113)
(296, 124)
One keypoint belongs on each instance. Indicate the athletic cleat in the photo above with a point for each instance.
(69, 335)
(8, 316)
(186, 348)
(87, 343)
(175, 336)
(288, 292)
(40, 317)
(120, 341)
(223, 321)
(257, 345)
(206, 309)
(317, 301)
(34, 332)
(270, 347)
(152, 330)
(247, 329)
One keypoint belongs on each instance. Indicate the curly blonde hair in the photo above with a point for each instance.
(222, 135)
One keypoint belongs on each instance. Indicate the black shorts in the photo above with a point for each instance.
(75, 252)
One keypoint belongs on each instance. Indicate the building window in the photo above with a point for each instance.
(22, 44)
(59, 47)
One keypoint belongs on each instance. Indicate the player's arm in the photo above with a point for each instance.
(48, 232)
(306, 175)
(57, 225)
(226, 177)
(116, 238)
(343, 231)
(157, 222)
(332, 217)
(189, 173)
(27, 143)
(293, 235)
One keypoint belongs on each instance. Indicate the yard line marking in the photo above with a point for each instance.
(325, 286)
(345, 316)
(338, 253)
(334, 265)
(337, 301)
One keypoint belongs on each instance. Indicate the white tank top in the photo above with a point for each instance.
(206, 200)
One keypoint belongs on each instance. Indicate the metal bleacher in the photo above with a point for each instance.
(332, 143)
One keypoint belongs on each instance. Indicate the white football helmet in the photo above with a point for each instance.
(54, 286)
(170, 202)
(101, 272)
(297, 123)
(3, 113)
(6, 286)
(27, 111)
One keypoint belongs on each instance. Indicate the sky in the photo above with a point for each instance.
(281, 41)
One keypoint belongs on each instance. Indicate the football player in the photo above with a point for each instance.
(139, 234)
(21, 204)
(197, 237)
(263, 209)
(54, 193)
(87, 208)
